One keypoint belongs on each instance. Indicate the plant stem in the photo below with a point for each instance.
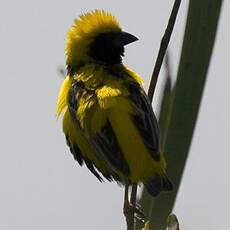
(163, 47)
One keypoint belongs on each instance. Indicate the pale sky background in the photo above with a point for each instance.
(42, 187)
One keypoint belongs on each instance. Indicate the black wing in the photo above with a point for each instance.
(75, 93)
(104, 143)
(76, 152)
(145, 120)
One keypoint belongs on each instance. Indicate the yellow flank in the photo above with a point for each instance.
(83, 32)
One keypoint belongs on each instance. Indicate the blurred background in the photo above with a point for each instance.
(42, 187)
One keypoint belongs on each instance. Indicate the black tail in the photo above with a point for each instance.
(158, 184)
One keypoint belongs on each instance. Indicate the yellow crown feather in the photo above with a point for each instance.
(83, 32)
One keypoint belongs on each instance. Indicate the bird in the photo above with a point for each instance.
(108, 120)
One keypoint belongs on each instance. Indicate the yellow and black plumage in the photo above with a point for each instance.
(108, 120)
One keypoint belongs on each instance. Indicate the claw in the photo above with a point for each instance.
(137, 210)
(140, 220)
(130, 210)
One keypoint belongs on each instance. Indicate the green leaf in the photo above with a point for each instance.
(197, 48)
(181, 106)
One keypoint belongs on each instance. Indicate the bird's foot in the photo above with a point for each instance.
(131, 211)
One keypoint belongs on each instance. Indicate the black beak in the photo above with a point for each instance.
(124, 38)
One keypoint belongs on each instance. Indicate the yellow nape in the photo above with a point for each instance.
(84, 30)
(62, 97)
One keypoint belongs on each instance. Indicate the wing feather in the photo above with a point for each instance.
(104, 142)
(145, 120)
(76, 152)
